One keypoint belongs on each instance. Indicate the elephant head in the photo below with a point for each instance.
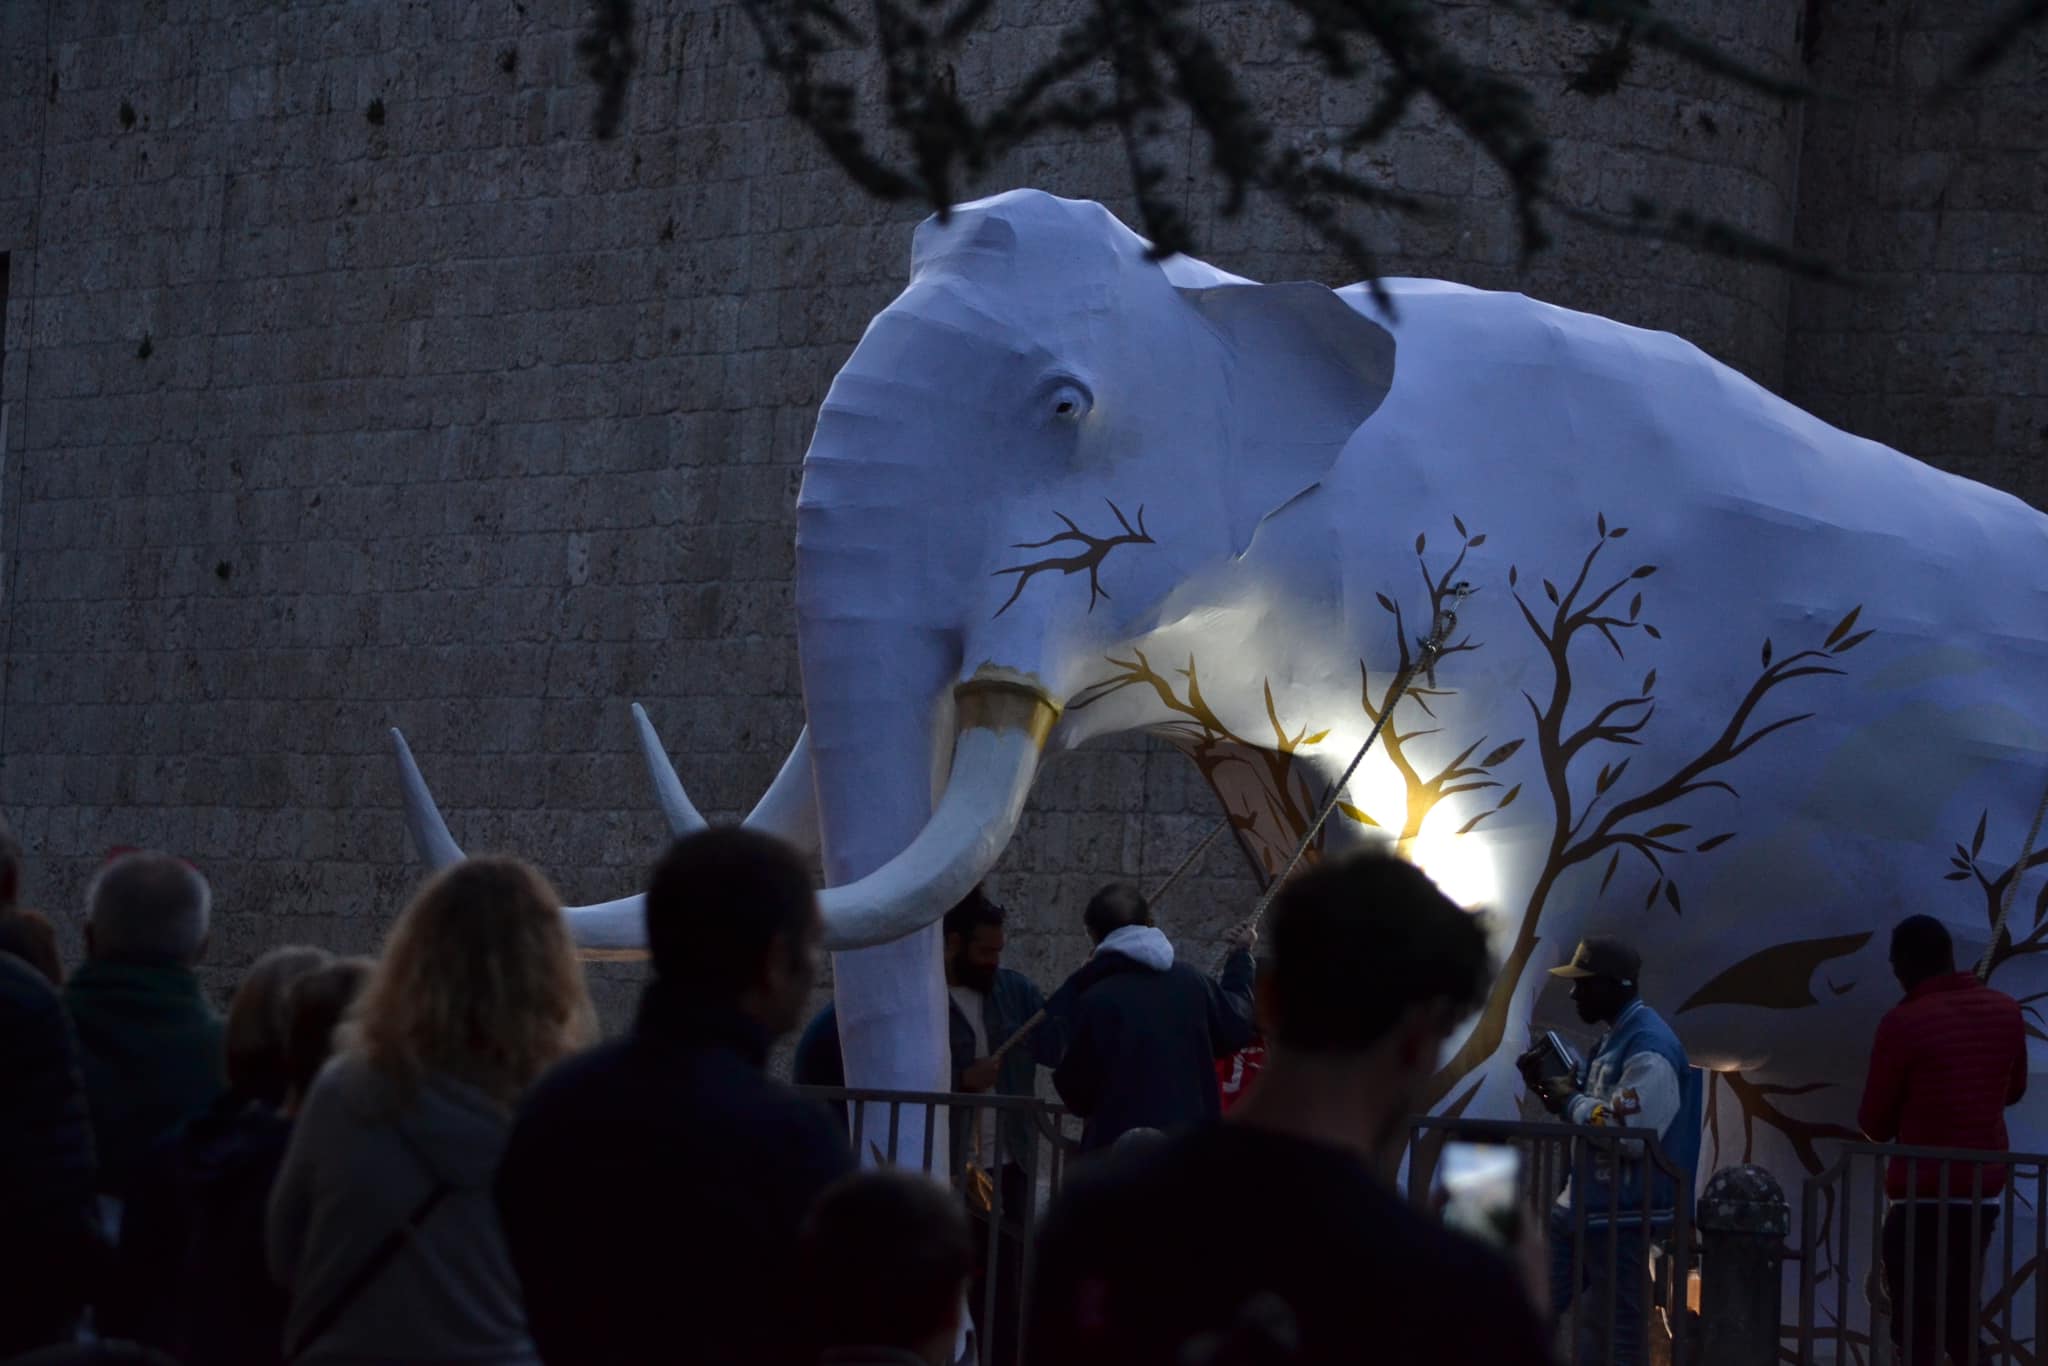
(1030, 449)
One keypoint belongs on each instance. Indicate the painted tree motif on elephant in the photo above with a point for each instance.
(1269, 798)
(1456, 776)
(1090, 559)
(1578, 834)
(1968, 866)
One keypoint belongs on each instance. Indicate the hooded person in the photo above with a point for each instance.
(1141, 1031)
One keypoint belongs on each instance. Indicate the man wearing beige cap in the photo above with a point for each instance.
(1637, 1078)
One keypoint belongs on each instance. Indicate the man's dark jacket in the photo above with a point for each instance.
(1142, 1039)
(49, 1253)
(190, 1275)
(1013, 1000)
(652, 1190)
(151, 1054)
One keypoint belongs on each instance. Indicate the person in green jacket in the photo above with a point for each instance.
(149, 1042)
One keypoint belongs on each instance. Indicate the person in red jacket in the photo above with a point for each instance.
(1946, 1063)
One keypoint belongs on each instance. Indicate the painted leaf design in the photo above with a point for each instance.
(1955, 877)
(1652, 631)
(1767, 653)
(1609, 777)
(1649, 682)
(1602, 522)
(1459, 524)
(1671, 895)
(1608, 876)
(1844, 626)
(1651, 899)
(1501, 755)
(1356, 814)
(1477, 541)
(1315, 739)
(1853, 641)
(1509, 800)
(1977, 840)
(1658, 832)
(1385, 601)
(1643, 571)
(1635, 607)
(1715, 843)
(1776, 978)
(1550, 590)
(1469, 826)
(1420, 541)
(1617, 533)
(1511, 576)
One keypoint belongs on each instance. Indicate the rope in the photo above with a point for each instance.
(1159, 894)
(2019, 870)
(1428, 648)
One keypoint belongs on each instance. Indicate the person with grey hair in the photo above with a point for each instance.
(150, 1044)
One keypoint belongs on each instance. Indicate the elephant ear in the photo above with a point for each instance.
(1303, 370)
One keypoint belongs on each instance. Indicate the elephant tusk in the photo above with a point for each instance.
(787, 810)
(1002, 731)
(620, 924)
(422, 816)
(683, 816)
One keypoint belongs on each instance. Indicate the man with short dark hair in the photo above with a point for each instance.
(1944, 1066)
(1285, 1213)
(989, 1004)
(652, 1188)
(1139, 1033)
(882, 1263)
(1639, 1078)
(149, 1041)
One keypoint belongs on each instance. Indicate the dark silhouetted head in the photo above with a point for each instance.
(974, 941)
(883, 1261)
(259, 1022)
(30, 936)
(732, 918)
(1111, 909)
(1921, 948)
(1605, 973)
(315, 1006)
(1358, 943)
(147, 908)
(10, 867)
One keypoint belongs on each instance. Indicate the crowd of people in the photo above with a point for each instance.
(431, 1157)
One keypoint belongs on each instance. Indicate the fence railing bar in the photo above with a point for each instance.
(1879, 1340)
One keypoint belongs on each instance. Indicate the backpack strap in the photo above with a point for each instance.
(368, 1271)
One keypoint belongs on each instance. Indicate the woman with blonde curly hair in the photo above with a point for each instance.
(382, 1226)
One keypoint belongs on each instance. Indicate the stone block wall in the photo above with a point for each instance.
(349, 383)
(1938, 341)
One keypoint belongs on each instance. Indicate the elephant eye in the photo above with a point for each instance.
(1069, 401)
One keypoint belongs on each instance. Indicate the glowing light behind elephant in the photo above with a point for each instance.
(1728, 681)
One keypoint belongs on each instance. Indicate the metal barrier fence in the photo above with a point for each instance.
(1622, 1271)
(1005, 1190)
(1905, 1279)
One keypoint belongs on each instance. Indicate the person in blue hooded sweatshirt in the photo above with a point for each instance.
(1637, 1078)
(1137, 1032)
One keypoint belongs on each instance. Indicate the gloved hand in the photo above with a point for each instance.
(1556, 1093)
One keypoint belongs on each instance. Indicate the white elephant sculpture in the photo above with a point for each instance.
(1728, 681)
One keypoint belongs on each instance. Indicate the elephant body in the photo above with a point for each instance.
(1723, 679)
